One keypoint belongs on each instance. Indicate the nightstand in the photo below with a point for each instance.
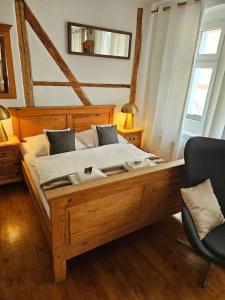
(10, 161)
(133, 136)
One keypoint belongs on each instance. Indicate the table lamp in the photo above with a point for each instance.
(4, 114)
(130, 110)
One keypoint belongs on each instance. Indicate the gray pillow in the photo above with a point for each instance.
(61, 141)
(107, 135)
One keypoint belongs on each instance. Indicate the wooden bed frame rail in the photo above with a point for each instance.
(89, 215)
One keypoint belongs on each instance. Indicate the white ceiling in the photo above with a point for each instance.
(215, 13)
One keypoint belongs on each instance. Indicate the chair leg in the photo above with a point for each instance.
(206, 277)
(182, 242)
(209, 269)
(185, 243)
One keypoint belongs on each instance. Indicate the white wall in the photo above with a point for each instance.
(211, 3)
(215, 12)
(53, 16)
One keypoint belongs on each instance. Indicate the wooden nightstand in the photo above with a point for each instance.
(132, 136)
(10, 161)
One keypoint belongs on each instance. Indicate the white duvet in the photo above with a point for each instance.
(54, 166)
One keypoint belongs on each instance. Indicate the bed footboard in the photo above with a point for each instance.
(88, 215)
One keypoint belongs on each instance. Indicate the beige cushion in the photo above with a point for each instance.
(203, 207)
(38, 144)
(88, 138)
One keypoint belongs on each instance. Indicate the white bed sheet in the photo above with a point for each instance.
(28, 158)
(54, 166)
(45, 168)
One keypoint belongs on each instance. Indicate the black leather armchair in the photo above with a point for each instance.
(205, 158)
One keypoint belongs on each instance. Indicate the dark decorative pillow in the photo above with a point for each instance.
(61, 141)
(107, 135)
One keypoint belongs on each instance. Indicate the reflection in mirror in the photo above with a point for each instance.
(4, 87)
(95, 41)
(7, 79)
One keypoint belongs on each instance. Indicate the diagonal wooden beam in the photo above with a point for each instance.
(137, 55)
(46, 41)
(24, 53)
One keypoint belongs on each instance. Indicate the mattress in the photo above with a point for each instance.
(54, 166)
(46, 168)
(28, 160)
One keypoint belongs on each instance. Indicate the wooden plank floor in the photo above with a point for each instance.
(148, 264)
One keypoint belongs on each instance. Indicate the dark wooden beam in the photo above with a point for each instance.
(137, 55)
(43, 36)
(83, 84)
(24, 53)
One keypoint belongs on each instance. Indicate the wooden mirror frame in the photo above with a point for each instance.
(5, 35)
(69, 26)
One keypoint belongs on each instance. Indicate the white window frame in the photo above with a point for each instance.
(208, 27)
(193, 124)
(197, 124)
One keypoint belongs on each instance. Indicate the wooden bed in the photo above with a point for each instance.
(91, 214)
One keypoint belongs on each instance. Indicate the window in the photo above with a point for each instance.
(210, 41)
(199, 91)
(203, 76)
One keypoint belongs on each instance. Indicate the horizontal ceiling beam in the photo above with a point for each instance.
(80, 84)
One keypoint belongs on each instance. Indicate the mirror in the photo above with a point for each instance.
(97, 41)
(4, 87)
(7, 80)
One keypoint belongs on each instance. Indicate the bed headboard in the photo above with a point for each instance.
(29, 121)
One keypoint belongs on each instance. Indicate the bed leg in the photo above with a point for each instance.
(59, 265)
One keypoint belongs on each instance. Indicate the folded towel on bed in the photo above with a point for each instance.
(138, 164)
(80, 177)
(55, 183)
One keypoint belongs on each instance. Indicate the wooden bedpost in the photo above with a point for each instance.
(59, 266)
(137, 55)
(60, 236)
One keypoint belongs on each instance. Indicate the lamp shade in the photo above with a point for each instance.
(129, 108)
(4, 113)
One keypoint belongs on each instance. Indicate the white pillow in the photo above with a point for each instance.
(203, 207)
(103, 125)
(57, 130)
(39, 144)
(79, 145)
(88, 138)
(26, 148)
(122, 139)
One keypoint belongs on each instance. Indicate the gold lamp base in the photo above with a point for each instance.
(129, 122)
(3, 135)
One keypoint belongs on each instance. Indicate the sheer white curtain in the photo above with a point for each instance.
(119, 44)
(1, 76)
(215, 120)
(102, 42)
(77, 40)
(111, 43)
(173, 43)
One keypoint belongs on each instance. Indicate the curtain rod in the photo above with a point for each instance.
(179, 4)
